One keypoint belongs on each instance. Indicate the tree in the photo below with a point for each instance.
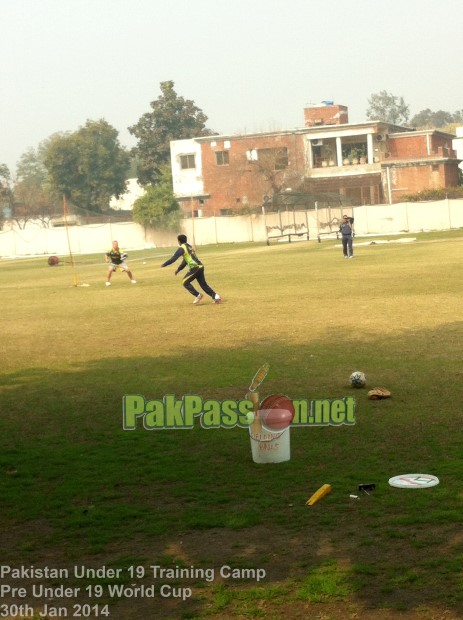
(158, 206)
(171, 118)
(270, 166)
(88, 166)
(384, 106)
(427, 119)
(32, 196)
(6, 194)
(450, 128)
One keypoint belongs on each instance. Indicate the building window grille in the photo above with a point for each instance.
(222, 158)
(187, 161)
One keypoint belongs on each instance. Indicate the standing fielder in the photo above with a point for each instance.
(195, 271)
(346, 229)
(115, 258)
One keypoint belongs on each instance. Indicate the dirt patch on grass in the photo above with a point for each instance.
(383, 588)
(287, 560)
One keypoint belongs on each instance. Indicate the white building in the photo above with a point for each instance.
(126, 200)
(457, 144)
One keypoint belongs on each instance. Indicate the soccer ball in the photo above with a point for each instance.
(358, 379)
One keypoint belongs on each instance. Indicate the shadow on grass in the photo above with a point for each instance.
(75, 487)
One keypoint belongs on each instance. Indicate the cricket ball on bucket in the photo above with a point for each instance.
(276, 413)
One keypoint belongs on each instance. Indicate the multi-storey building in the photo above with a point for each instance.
(366, 163)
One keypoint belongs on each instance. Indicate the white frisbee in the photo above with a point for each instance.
(414, 481)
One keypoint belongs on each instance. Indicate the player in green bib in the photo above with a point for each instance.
(115, 258)
(195, 271)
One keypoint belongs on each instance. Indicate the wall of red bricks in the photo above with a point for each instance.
(406, 147)
(326, 115)
(241, 183)
(411, 146)
(412, 179)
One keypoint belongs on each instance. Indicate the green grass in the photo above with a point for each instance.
(328, 582)
(76, 488)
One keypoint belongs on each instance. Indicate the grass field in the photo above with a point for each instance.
(78, 490)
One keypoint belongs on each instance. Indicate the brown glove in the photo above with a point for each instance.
(378, 393)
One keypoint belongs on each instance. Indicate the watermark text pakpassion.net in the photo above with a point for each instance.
(172, 413)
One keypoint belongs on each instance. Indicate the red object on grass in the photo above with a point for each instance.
(276, 412)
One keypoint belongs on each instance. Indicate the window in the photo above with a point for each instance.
(276, 159)
(224, 212)
(187, 161)
(251, 155)
(222, 158)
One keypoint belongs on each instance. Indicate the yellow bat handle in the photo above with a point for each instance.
(322, 491)
(259, 377)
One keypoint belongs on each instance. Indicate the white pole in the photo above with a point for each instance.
(316, 215)
(265, 223)
(389, 184)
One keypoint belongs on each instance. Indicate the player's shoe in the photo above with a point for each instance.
(198, 299)
(217, 299)
(133, 281)
(108, 283)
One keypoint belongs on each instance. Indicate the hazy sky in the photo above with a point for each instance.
(250, 65)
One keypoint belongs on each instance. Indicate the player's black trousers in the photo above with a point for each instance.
(197, 274)
(347, 245)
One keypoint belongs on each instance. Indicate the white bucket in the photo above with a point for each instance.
(267, 447)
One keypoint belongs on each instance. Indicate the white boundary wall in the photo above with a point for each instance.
(369, 220)
(36, 240)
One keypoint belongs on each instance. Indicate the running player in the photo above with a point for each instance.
(195, 271)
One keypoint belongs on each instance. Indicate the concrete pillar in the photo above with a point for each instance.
(339, 151)
(370, 152)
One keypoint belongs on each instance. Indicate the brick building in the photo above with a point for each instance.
(366, 163)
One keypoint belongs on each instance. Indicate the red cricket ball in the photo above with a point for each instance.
(276, 412)
(53, 260)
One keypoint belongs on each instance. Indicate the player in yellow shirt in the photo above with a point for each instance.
(115, 257)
